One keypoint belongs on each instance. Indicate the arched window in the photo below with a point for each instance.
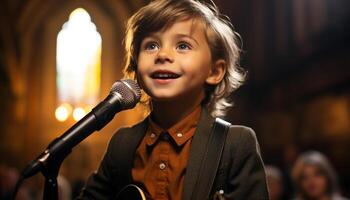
(78, 62)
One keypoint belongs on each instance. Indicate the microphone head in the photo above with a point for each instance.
(129, 91)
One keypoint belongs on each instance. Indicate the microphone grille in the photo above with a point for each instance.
(129, 91)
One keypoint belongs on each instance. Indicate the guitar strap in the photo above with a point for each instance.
(211, 159)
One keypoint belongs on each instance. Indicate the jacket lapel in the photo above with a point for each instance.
(132, 141)
(197, 153)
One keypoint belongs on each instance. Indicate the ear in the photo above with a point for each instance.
(217, 72)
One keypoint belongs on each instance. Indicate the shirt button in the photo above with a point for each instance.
(162, 166)
(153, 135)
(179, 135)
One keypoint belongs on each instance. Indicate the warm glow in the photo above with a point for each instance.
(62, 112)
(78, 113)
(79, 60)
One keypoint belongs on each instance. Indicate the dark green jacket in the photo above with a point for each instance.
(240, 174)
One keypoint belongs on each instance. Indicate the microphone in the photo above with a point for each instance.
(125, 94)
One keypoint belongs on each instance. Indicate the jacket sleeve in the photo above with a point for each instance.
(100, 184)
(246, 176)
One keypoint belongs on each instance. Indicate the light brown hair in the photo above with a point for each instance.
(222, 39)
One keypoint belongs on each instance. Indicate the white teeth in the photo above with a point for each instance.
(164, 76)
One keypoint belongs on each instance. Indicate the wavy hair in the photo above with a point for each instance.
(223, 41)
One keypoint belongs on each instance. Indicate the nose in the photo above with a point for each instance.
(164, 55)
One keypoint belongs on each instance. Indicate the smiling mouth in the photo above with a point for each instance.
(164, 75)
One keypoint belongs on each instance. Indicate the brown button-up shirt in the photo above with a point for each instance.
(162, 156)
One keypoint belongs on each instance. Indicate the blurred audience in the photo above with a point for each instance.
(275, 182)
(314, 178)
(8, 180)
(29, 190)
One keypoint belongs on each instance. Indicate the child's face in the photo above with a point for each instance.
(176, 62)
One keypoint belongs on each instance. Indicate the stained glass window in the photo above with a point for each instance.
(78, 62)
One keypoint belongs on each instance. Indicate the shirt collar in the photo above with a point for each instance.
(180, 132)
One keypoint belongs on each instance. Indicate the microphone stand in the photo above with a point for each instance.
(49, 162)
(50, 172)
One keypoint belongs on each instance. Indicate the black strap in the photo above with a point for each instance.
(211, 160)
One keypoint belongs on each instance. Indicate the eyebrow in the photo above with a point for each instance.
(180, 35)
(177, 35)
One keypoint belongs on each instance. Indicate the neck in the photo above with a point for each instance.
(168, 113)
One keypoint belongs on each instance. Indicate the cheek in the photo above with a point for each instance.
(141, 68)
(141, 81)
(140, 78)
(196, 67)
(142, 61)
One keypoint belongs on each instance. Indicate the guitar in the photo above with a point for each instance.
(131, 192)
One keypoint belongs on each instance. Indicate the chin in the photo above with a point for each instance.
(163, 97)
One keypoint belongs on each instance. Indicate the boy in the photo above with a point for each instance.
(185, 57)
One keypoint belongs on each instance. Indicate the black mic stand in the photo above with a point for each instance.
(50, 172)
(49, 162)
(49, 166)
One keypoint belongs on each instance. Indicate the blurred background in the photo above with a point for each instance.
(58, 58)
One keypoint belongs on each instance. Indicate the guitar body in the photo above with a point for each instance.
(131, 192)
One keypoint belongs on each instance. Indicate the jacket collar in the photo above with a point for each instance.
(135, 135)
